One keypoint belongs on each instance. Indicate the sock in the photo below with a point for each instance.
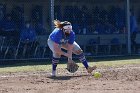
(83, 60)
(54, 63)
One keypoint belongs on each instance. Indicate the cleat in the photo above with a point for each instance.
(53, 74)
(90, 69)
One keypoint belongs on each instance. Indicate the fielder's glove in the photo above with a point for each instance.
(72, 67)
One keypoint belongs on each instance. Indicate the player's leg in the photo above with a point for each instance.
(55, 58)
(55, 61)
(78, 51)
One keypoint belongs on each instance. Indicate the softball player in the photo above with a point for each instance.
(64, 37)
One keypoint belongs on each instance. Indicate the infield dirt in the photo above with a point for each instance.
(123, 79)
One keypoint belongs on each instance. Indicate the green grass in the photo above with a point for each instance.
(25, 68)
(45, 67)
(118, 62)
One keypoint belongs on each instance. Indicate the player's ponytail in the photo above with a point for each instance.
(58, 24)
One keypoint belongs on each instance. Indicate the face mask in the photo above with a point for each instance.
(67, 29)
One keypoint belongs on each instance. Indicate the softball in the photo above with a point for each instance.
(97, 74)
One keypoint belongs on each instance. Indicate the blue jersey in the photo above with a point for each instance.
(59, 37)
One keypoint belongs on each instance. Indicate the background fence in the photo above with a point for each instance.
(100, 26)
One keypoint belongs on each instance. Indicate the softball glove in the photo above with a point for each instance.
(72, 67)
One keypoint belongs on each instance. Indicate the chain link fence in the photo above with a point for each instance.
(100, 26)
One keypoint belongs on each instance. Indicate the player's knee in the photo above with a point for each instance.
(56, 55)
(80, 51)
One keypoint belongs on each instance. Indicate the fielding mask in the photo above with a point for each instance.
(67, 28)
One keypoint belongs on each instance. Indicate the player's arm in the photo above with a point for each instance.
(70, 45)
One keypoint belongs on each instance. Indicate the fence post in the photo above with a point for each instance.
(52, 14)
(128, 26)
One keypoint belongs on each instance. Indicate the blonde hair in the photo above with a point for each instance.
(60, 25)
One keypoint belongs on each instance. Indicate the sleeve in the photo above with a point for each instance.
(71, 38)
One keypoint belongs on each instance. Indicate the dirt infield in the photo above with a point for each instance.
(124, 79)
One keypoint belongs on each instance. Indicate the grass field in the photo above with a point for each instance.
(107, 62)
